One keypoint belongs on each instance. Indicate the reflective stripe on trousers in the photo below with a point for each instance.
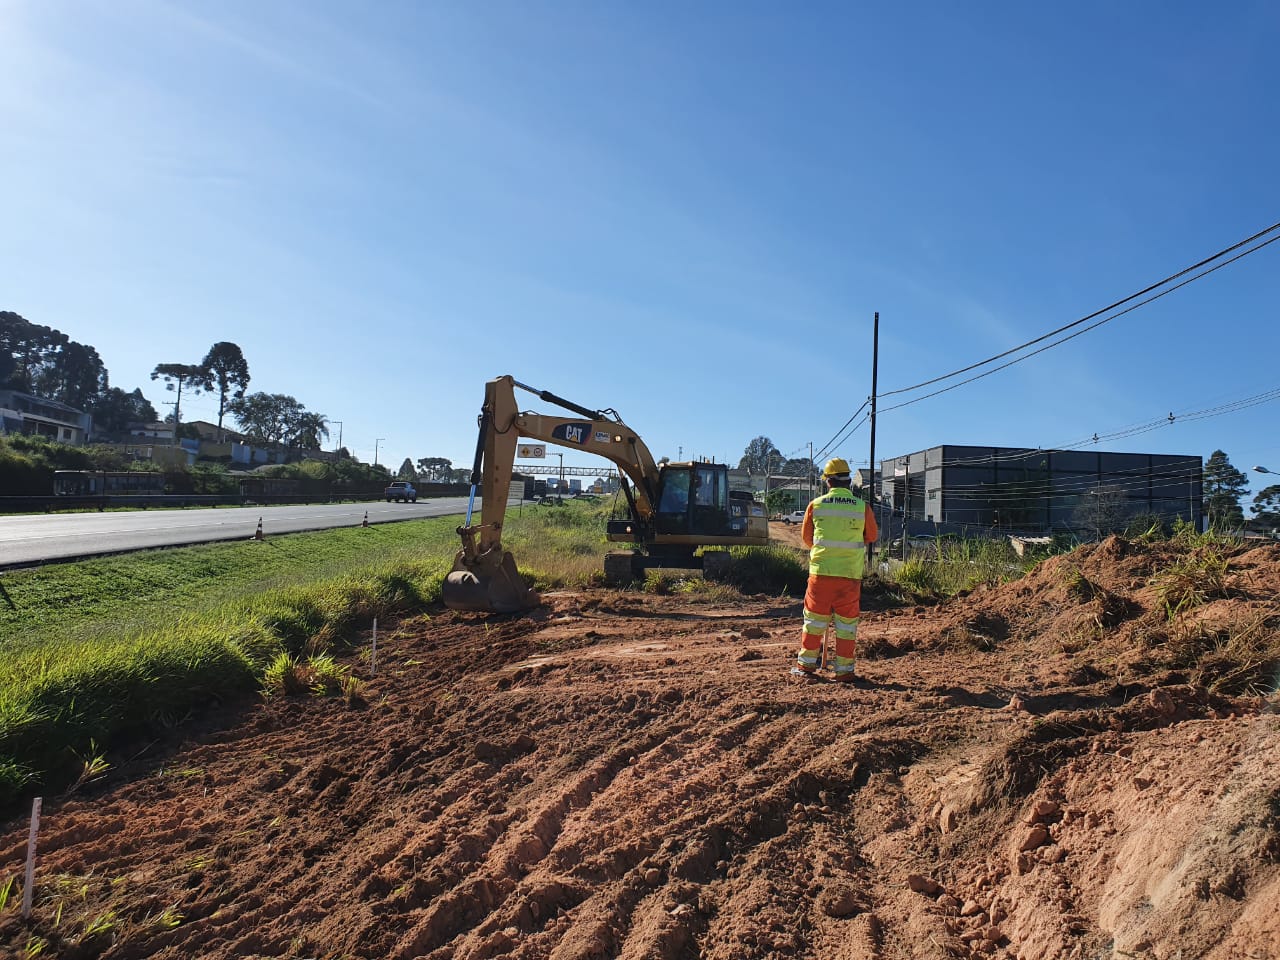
(830, 600)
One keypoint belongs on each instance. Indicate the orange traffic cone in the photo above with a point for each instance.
(258, 535)
(366, 519)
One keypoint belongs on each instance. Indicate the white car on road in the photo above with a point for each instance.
(796, 516)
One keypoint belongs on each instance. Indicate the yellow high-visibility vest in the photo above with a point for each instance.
(838, 527)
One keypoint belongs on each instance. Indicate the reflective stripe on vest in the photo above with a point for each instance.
(838, 527)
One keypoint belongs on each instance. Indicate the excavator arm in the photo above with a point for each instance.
(484, 575)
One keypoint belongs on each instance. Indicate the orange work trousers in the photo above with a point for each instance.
(827, 601)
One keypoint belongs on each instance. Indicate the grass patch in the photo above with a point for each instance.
(770, 570)
(958, 565)
(1192, 579)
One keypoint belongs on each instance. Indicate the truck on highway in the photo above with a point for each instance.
(401, 490)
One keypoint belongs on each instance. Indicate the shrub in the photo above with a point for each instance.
(1192, 579)
(771, 570)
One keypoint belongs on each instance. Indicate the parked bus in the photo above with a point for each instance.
(107, 483)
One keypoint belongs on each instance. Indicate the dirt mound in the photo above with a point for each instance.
(1037, 770)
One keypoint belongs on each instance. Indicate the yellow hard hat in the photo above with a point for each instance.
(835, 467)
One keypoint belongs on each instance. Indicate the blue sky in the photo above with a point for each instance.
(687, 212)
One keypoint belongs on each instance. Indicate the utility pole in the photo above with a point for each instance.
(906, 506)
(339, 423)
(810, 471)
(875, 369)
(172, 403)
(375, 449)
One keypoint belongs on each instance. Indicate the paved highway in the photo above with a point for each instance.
(31, 540)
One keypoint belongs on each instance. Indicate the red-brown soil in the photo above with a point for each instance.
(1036, 770)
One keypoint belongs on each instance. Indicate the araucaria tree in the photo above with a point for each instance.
(46, 362)
(435, 468)
(226, 371)
(1224, 485)
(175, 377)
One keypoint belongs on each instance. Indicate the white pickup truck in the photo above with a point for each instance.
(401, 490)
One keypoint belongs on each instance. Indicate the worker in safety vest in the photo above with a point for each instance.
(837, 528)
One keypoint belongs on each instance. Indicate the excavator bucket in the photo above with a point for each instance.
(489, 583)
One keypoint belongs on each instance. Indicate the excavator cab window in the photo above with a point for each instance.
(694, 500)
(673, 502)
(711, 501)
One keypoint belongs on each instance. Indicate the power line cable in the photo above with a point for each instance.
(1072, 336)
(1097, 313)
(849, 435)
(1133, 429)
(822, 451)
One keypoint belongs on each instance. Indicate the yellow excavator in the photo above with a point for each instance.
(674, 508)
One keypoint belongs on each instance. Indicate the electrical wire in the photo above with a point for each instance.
(841, 435)
(1097, 313)
(1072, 336)
(822, 451)
(1134, 429)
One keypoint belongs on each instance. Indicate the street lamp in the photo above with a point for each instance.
(1263, 470)
(375, 449)
(339, 423)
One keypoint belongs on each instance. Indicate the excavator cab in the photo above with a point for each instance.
(693, 500)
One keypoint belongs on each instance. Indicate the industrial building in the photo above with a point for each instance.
(1021, 489)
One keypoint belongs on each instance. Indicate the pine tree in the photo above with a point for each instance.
(1224, 485)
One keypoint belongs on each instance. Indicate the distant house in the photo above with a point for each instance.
(210, 432)
(152, 431)
(27, 414)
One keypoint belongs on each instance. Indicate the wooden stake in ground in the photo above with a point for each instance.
(28, 887)
(373, 659)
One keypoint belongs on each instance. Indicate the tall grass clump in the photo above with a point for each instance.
(956, 565)
(1198, 574)
(1191, 580)
(773, 570)
(53, 706)
(320, 675)
(559, 545)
